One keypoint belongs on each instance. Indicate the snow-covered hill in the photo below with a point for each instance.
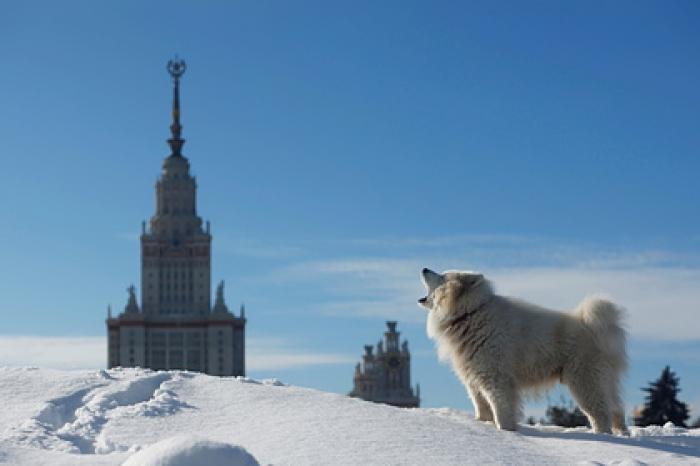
(105, 417)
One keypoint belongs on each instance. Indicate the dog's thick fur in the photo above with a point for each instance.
(501, 347)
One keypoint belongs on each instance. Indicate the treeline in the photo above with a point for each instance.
(661, 405)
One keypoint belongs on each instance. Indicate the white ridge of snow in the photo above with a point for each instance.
(107, 417)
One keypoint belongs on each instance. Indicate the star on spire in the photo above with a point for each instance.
(176, 68)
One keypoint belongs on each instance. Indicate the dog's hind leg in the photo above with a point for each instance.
(618, 422)
(482, 410)
(618, 410)
(593, 401)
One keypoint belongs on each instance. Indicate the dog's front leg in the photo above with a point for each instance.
(482, 409)
(505, 405)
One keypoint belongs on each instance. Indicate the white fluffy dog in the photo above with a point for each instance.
(500, 347)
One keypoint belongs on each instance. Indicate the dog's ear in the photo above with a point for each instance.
(431, 279)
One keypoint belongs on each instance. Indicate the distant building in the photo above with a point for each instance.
(176, 327)
(385, 376)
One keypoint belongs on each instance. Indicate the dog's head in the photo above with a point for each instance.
(453, 293)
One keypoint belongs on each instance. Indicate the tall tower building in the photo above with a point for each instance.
(176, 326)
(385, 376)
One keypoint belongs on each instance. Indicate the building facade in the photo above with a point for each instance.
(385, 376)
(176, 327)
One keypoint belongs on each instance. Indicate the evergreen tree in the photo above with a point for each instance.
(696, 423)
(661, 404)
(566, 416)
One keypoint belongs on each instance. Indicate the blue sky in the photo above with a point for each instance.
(342, 146)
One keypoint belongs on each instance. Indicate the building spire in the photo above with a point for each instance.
(220, 304)
(132, 307)
(176, 67)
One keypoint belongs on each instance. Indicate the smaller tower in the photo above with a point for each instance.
(385, 377)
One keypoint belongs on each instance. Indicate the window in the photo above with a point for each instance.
(176, 338)
(158, 339)
(176, 359)
(158, 357)
(193, 360)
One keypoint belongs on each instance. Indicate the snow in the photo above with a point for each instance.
(144, 417)
(189, 451)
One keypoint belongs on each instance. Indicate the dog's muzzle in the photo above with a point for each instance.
(425, 303)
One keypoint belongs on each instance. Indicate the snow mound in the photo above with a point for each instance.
(191, 451)
(104, 418)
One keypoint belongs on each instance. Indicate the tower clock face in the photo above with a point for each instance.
(393, 362)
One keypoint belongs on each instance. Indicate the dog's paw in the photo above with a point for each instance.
(510, 426)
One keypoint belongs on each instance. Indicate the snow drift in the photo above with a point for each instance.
(187, 451)
(168, 418)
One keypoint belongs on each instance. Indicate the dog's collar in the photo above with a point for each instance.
(467, 315)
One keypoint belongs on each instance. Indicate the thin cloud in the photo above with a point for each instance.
(660, 300)
(385, 309)
(250, 247)
(53, 352)
(519, 250)
(448, 240)
(278, 354)
(90, 352)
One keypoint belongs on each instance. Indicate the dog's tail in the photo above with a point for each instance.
(604, 319)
